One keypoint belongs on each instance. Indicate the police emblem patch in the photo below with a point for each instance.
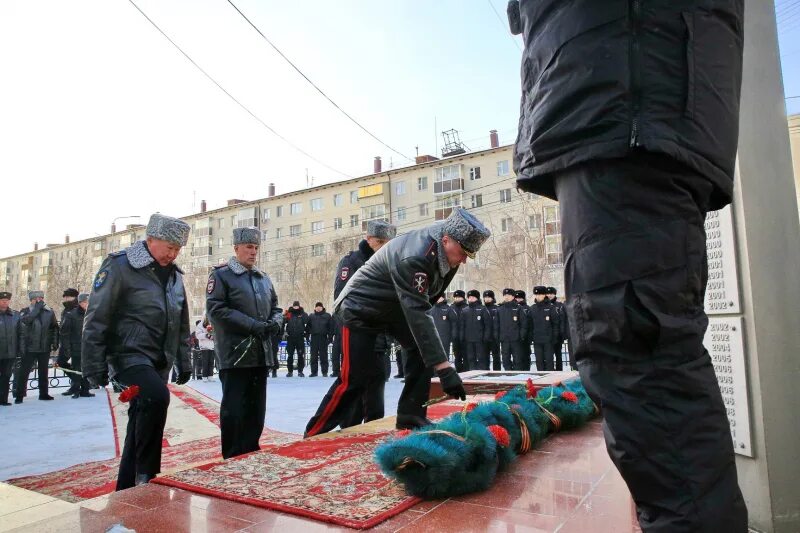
(420, 282)
(344, 273)
(211, 284)
(100, 278)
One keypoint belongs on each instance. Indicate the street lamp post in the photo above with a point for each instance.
(114, 222)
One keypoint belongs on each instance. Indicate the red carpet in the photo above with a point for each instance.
(330, 479)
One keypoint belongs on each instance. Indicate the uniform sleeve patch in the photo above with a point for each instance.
(344, 273)
(420, 282)
(212, 282)
(100, 278)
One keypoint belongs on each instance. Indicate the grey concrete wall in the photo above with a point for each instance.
(768, 239)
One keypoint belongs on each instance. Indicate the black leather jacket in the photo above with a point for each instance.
(41, 328)
(133, 319)
(12, 335)
(398, 284)
(296, 323)
(320, 324)
(71, 332)
(237, 300)
(349, 265)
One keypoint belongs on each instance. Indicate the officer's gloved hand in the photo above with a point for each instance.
(260, 329)
(183, 378)
(273, 328)
(451, 383)
(97, 380)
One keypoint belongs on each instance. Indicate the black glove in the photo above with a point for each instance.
(97, 380)
(183, 378)
(273, 328)
(260, 329)
(451, 383)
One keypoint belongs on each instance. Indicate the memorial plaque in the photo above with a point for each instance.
(722, 291)
(723, 341)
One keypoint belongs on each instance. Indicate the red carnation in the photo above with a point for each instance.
(403, 433)
(129, 394)
(470, 406)
(569, 396)
(531, 388)
(500, 435)
(500, 394)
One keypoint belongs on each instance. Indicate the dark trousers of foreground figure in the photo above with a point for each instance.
(77, 383)
(147, 416)
(242, 410)
(544, 356)
(42, 359)
(319, 354)
(361, 369)
(635, 274)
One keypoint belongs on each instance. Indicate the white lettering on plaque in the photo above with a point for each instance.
(722, 291)
(723, 341)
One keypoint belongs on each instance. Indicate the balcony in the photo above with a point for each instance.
(448, 186)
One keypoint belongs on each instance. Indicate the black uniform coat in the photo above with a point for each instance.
(12, 335)
(457, 308)
(398, 284)
(544, 322)
(133, 319)
(349, 264)
(475, 323)
(296, 322)
(237, 300)
(493, 309)
(446, 321)
(512, 322)
(320, 324)
(600, 79)
(41, 328)
(71, 332)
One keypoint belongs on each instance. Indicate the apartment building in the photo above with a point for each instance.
(305, 232)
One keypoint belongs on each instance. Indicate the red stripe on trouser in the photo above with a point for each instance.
(337, 395)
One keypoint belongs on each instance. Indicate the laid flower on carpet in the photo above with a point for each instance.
(530, 388)
(569, 396)
(500, 434)
(403, 433)
(129, 393)
(500, 394)
(470, 406)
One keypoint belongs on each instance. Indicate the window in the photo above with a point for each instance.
(317, 250)
(317, 227)
(400, 188)
(267, 213)
(353, 221)
(353, 197)
(552, 220)
(220, 242)
(448, 179)
(278, 233)
(221, 223)
(506, 225)
(535, 222)
(295, 208)
(553, 249)
(338, 200)
(474, 173)
(444, 206)
(233, 221)
(264, 235)
(502, 168)
(316, 204)
(422, 183)
(337, 223)
(294, 231)
(401, 213)
(202, 228)
(279, 211)
(505, 196)
(476, 200)
(423, 210)
(373, 212)
(248, 217)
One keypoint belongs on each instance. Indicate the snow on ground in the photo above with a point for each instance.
(38, 436)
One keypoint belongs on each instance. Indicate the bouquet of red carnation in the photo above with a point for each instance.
(209, 331)
(129, 393)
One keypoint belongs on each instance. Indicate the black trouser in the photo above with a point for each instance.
(460, 356)
(242, 410)
(544, 355)
(295, 343)
(493, 349)
(42, 359)
(276, 344)
(336, 350)
(6, 369)
(78, 383)
(400, 354)
(477, 356)
(559, 356)
(362, 371)
(319, 353)
(147, 415)
(207, 363)
(635, 274)
(512, 353)
(524, 361)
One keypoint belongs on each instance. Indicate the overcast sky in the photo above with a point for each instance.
(101, 117)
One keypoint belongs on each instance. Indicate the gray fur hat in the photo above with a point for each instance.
(168, 229)
(35, 294)
(467, 230)
(381, 230)
(83, 297)
(246, 236)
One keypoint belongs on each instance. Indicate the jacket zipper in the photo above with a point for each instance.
(635, 15)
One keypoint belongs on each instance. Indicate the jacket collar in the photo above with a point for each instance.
(139, 256)
(239, 269)
(444, 266)
(364, 248)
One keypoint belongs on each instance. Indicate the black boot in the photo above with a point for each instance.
(411, 422)
(142, 479)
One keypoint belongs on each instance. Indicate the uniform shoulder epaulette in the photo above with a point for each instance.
(217, 267)
(431, 250)
(118, 253)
